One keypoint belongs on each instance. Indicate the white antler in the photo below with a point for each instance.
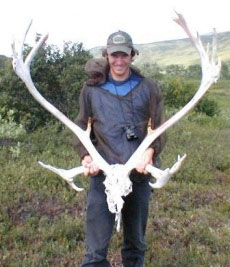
(122, 182)
(210, 74)
(162, 177)
(67, 175)
(117, 180)
(22, 69)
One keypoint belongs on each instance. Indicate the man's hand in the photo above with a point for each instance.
(91, 168)
(146, 159)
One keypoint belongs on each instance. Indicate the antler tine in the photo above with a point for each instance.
(207, 49)
(206, 63)
(181, 21)
(26, 32)
(67, 175)
(15, 54)
(18, 54)
(34, 51)
(162, 177)
(196, 40)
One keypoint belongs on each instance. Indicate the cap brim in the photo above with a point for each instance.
(119, 48)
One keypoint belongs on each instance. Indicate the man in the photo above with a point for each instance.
(120, 103)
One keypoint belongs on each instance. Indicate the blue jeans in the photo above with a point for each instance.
(100, 222)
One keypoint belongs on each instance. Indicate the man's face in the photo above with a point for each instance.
(119, 65)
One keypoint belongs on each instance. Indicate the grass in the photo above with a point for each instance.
(42, 218)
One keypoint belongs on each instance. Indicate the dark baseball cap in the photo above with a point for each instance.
(120, 42)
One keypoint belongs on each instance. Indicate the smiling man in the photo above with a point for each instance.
(120, 103)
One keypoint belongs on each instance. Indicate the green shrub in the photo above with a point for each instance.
(178, 92)
(58, 75)
(208, 107)
(9, 128)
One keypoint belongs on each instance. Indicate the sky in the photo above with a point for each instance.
(91, 21)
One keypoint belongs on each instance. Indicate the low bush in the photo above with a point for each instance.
(178, 92)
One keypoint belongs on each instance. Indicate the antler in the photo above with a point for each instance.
(116, 175)
(67, 175)
(210, 74)
(117, 180)
(22, 69)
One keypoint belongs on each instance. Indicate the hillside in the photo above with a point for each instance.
(171, 52)
(178, 51)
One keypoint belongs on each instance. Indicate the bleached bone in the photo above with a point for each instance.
(210, 74)
(67, 175)
(162, 177)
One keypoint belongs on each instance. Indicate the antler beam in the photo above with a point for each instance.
(22, 69)
(210, 75)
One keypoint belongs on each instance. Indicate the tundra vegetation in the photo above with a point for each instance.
(42, 218)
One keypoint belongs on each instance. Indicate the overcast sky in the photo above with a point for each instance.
(92, 21)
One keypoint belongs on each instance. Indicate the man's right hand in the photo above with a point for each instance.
(91, 168)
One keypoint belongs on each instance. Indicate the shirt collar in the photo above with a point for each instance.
(110, 79)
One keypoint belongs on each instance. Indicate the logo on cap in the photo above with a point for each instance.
(118, 39)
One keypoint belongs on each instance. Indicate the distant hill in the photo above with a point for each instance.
(179, 51)
(172, 52)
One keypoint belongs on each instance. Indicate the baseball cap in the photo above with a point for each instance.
(120, 42)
